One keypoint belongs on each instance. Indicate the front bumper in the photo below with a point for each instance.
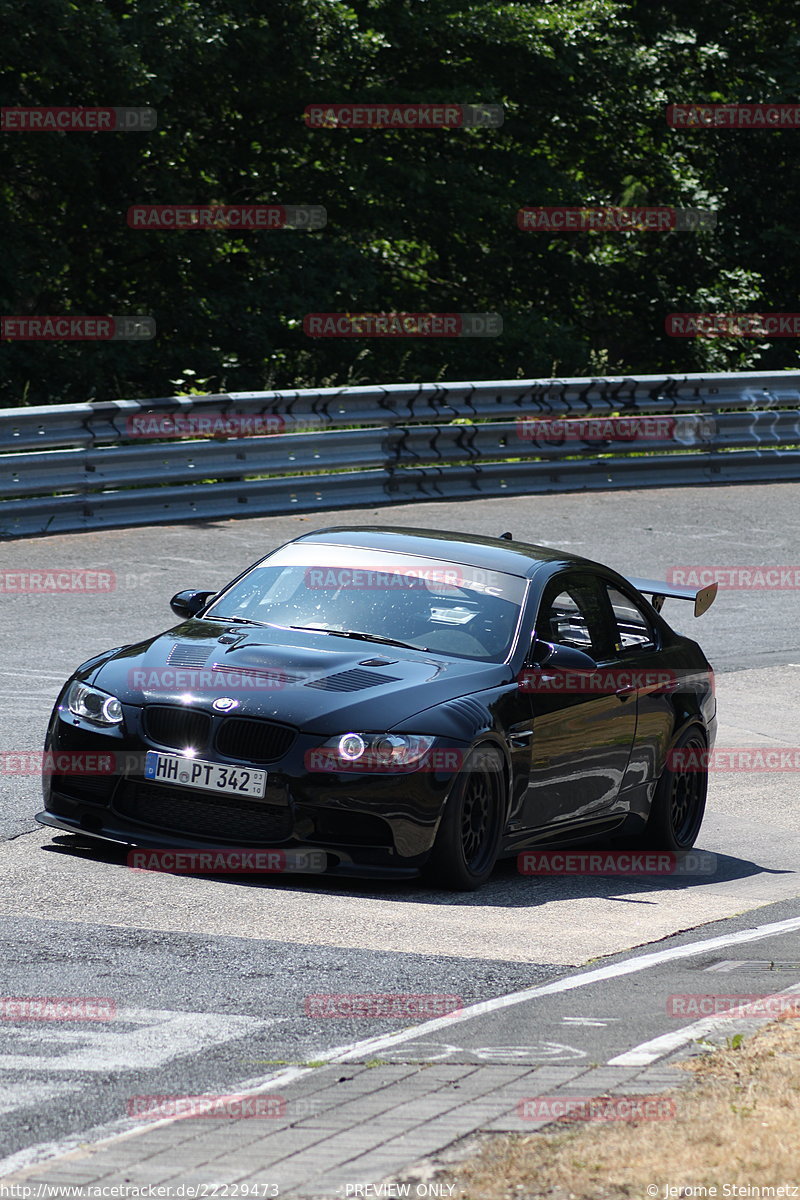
(365, 823)
(338, 861)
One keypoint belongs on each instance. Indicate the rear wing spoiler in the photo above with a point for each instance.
(702, 597)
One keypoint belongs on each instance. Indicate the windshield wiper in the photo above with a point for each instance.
(361, 637)
(234, 620)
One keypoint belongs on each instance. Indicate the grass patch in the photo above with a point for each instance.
(736, 1125)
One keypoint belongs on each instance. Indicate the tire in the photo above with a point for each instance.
(679, 802)
(468, 840)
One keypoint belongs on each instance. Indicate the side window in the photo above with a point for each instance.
(633, 630)
(567, 623)
(571, 614)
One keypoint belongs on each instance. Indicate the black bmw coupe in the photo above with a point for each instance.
(395, 700)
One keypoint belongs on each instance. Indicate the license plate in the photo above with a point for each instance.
(205, 776)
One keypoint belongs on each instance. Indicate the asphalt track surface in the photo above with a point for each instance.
(241, 956)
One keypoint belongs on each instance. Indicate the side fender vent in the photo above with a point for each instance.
(472, 711)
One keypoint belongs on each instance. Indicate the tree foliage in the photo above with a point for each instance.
(417, 220)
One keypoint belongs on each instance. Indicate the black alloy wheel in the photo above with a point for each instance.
(679, 802)
(468, 840)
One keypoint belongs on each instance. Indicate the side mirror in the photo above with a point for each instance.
(189, 604)
(562, 658)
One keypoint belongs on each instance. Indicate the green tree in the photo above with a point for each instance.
(417, 220)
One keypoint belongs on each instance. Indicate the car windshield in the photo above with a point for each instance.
(424, 603)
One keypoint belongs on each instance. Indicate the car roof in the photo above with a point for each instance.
(495, 554)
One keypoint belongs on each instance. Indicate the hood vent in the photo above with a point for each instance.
(352, 681)
(269, 675)
(186, 654)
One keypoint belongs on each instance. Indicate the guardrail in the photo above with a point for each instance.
(112, 463)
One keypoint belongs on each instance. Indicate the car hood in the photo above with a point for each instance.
(317, 682)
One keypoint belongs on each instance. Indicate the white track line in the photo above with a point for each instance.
(648, 1052)
(127, 1127)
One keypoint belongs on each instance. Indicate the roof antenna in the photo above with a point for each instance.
(506, 537)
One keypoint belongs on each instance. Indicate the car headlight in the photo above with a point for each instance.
(93, 705)
(375, 751)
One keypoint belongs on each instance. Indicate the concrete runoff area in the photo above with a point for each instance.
(146, 938)
(750, 828)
